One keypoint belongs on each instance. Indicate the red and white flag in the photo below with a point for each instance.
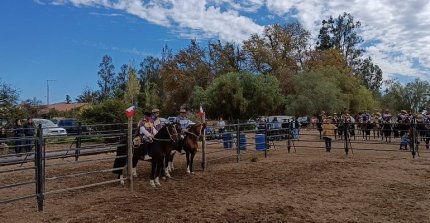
(201, 113)
(129, 112)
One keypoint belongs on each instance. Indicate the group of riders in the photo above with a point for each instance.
(151, 123)
(383, 125)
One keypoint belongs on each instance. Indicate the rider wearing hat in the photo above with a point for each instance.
(156, 119)
(386, 116)
(147, 130)
(182, 119)
(184, 122)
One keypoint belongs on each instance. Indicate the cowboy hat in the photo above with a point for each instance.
(182, 110)
(403, 111)
(155, 110)
(420, 118)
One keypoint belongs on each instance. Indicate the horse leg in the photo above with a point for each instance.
(159, 171)
(188, 161)
(136, 154)
(192, 161)
(120, 163)
(166, 166)
(153, 169)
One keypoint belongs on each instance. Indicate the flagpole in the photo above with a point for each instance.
(130, 152)
(203, 141)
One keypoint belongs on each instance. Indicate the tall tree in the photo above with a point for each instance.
(225, 58)
(150, 70)
(280, 50)
(8, 95)
(68, 99)
(132, 88)
(342, 33)
(181, 73)
(370, 74)
(107, 77)
(88, 96)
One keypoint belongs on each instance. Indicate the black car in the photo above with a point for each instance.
(71, 125)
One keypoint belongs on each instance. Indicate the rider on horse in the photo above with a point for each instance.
(184, 122)
(146, 131)
(156, 119)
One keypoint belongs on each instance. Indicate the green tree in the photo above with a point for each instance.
(280, 50)
(132, 88)
(121, 81)
(8, 95)
(226, 97)
(412, 96)
(108, 112)
(314, 92)
(88, 96)
(370, 74)
(342, 33)
(68, 99)
(107, 77)
(225, 58)
(240, 95)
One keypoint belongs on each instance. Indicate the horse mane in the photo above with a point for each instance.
(163, 131)
(192, 128)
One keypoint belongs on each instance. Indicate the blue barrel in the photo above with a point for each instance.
(260, 142)
(227, 140)
(242, 141)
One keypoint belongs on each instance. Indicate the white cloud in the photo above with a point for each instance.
(398, 27)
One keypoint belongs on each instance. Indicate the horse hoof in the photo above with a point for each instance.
(152, 183)
(157, 181)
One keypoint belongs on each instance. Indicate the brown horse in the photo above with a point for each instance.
(191, 143)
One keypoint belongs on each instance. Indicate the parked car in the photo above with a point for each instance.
(164, 121)
(304, 121)
(49, 128)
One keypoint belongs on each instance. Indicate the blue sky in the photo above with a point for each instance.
(64, 40)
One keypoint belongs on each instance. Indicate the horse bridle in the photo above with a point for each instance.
(170, 135)
(200, 132)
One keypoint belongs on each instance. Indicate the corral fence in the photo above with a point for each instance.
(41, 165)
(45, 170)
(242, 138)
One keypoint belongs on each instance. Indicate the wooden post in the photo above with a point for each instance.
(130, 152)
(204, 145)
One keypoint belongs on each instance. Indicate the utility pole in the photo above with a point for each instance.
(47, 92)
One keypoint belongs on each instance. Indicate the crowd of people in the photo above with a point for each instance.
(21, 139)
(398, 124)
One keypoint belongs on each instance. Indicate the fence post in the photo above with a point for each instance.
(288, 136)
(238, 140)
(130, 152)
(38, 159)
(204, 145)
(78, 142)
(266, 139)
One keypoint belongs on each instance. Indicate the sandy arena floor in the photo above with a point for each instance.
(378, 183)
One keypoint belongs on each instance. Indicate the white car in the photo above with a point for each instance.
(49, 128)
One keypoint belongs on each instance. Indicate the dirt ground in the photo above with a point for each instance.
(377, 183)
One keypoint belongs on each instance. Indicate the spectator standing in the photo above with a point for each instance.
(19, 135)
(328, 132)
(4, 148)
(221, 126)
(29, 134)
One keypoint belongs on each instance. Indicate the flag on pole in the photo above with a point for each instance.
(201, 113)
(129, 112)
